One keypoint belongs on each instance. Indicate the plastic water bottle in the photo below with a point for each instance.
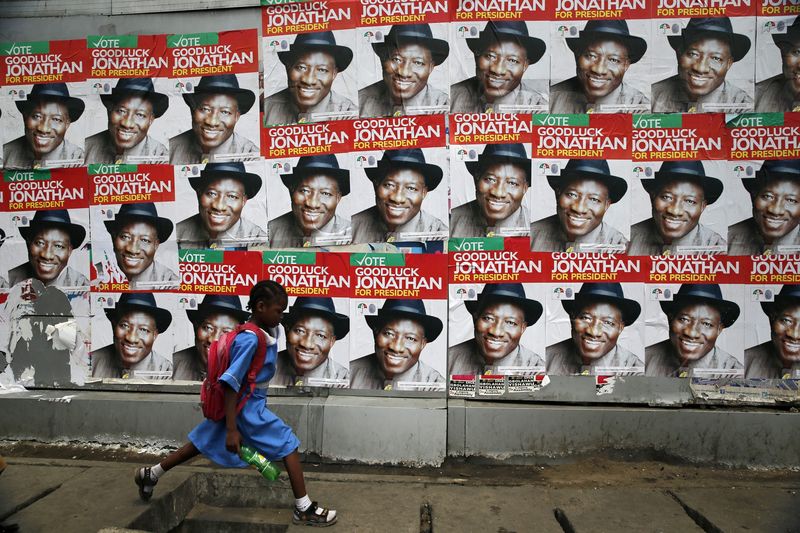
(264, 466)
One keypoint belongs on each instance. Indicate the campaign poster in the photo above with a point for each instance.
(215, 288)
(224, 205)
(703, 56)
(46, 215)
(42, 103)
(594, 309)
(133, 336)
(599, 57)
(496, 308)
(310, 171)
(778, 38)
(581, 174)
(773, 313)
(400, 180)
(212, 117)
(490, 171)
(403, 49)
(314, 350)
(134, 245)
(308, 51)
(129, 92)
(693, 313)
(7, 261)
(398, 338)
(500, 57)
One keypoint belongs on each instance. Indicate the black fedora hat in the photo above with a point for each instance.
(58, 218)
(412, 158)
(507, 292)
(146, 212)
(142, 87)
(690, 293)
(141, 301)
(719, 27)
(324, 41)
(234, 170)
(512, 30)
(608, 293)
(327, 165)
(791, 33)
(789, 295)
(222, 84)
(213, 303)
(322, 307)
(53, 91)
(414, 34)
(691, 171)
(593, 169)
(411, 309)
(501, 153)
(609, 29)
(788, 169)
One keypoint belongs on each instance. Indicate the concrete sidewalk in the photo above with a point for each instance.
(62, 495)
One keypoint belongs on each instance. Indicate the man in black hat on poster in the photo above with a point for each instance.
(604, 50)
(500, 316)
(696, 317)
(136, 322)
(503, 52)
(706, 49)
(132, 107)
(47, 114)
(401, 329)
(597, 316)
(316, 186)
(401, 181)
(214, 317)
(223, 190)
(584, 192)
(136, 233)
(781, 93)
(312, 327)
(679, 194)
(312, 63)
(779, 357)
(216, 106)
(408, 55)
(502, 176)
(51, 237)
(773, 228)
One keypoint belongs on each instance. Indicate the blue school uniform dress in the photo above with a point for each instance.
(258, 426)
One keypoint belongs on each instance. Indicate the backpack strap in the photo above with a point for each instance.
(255, 364)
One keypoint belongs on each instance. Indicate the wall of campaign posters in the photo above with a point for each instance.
(463, 198)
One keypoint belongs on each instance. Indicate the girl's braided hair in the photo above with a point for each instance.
(267, 290)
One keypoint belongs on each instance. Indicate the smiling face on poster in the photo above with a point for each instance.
(703, 65)
(777, 64)
(496, 329)
(230, 208)
(589, 210)
(694, 330)
(681, 207)
(772, 341)
(600, 66)
(402, 195)
(499, 67)
(132, 336)
(595, 329)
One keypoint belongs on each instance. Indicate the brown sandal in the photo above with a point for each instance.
(314, 516)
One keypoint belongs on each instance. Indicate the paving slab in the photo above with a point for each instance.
(754, 510)
(613, 510)
(369, 507)
(91, 500)
(204, 518)
(491, 508)
(23, 484)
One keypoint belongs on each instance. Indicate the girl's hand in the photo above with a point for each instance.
(233, 441)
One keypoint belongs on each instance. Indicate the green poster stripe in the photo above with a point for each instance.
(474, 244)
(34, 47)
(192, 39)
(756, 119)
(111, 169)
(113, 41)
(288, 258)
(201, 256)
(377, 259)
(658, 121)
(25, 175)
(560, 120)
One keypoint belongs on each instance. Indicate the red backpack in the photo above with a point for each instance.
(212, 393)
